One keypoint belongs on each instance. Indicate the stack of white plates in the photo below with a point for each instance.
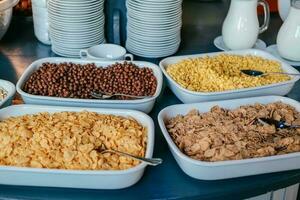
(75, 25)
(153, 27)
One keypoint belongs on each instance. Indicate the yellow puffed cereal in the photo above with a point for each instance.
(223, 72)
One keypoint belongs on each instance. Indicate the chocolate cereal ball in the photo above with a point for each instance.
(70, 80)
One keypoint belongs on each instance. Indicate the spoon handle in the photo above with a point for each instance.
(127, 95)
(108, 96)
(149, 161)
(291, 74)
(295, 126)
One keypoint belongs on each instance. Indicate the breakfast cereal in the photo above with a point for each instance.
(68, 140)
(223, 72)
(223, 134)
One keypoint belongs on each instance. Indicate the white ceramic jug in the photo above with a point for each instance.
(241, 26)
(283, 8)
(288, 38)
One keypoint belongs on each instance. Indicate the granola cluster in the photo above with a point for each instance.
(223, 134)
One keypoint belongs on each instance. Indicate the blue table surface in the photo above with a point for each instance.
(202, 23)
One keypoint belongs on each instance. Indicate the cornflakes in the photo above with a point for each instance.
(68, 140)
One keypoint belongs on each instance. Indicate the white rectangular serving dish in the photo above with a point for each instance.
(88, 179)
(227, 169)
(11, 91)
(188, 96)
(144, 105)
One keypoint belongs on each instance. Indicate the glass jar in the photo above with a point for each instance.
(6, 9)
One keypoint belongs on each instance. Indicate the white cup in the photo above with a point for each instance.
(106, 52)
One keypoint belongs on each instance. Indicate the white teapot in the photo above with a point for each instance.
(241, 26)
(288, 38)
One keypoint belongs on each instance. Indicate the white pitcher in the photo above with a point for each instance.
(284, 8)
(288, 38)
(241, 26)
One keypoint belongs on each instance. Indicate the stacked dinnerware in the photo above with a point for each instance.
(153, 27)
(75, 25)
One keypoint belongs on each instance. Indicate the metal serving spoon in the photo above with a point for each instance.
(278, 124)
(257, 73)
(148, 161)
(103, 95)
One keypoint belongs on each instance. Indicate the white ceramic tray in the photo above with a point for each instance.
(227, 169)
(11, 90)
(89, 179)
(188, 96)
(144, 105)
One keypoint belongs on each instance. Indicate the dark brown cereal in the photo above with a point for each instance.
(71, 80)
(223, 134)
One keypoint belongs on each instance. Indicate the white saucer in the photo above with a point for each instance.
(219, 43)
(272, 49)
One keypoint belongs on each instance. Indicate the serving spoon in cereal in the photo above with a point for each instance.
(103, 95)
(278, 124)
(149, 161)
(257, 73)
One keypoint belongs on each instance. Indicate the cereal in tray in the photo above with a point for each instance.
(70, 80)
(223, 134)
(3, 93)
(223, 72)
(67, 140)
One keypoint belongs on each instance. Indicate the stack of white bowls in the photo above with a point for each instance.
(75, 25)
(153, 27)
